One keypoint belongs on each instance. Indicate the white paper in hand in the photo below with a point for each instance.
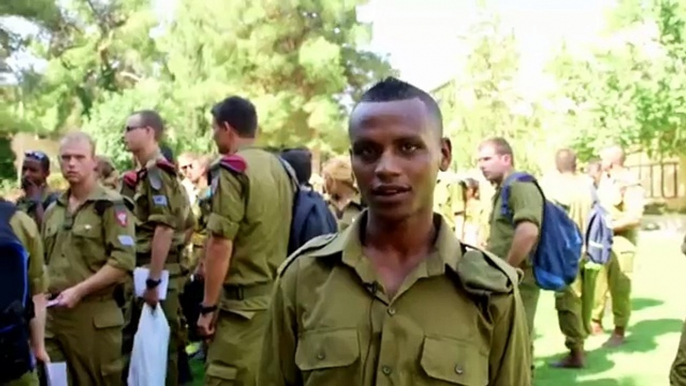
(57, 374)
(140, 275)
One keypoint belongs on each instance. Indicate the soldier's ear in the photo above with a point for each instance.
(446, 154)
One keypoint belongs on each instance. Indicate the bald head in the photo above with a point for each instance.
(565, 161)
(612, 156)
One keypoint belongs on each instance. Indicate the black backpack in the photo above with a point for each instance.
(311, 215)
(16, 305)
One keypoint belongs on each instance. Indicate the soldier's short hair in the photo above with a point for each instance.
(392, 89)
(239, 113)
(565, 160)
(151, 119)
(499, 144)
(79, 136)
(300, 160)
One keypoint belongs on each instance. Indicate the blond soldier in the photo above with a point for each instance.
(513, 238)
(343, 196)
(395, 299)
(89, 248)
(620, 192)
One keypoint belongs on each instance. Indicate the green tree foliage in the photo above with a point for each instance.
(632, 89)
(299, 61)
(483, 101)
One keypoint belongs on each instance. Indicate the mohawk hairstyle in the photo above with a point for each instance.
(392, 89)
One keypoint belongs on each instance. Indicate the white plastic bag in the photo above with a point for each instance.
(150, 346)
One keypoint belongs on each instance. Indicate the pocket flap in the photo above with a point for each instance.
(108, 317)
(454, 361)
(326, 349)
(221, 372)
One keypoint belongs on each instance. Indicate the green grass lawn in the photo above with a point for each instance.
(659, 308)
(659, 311)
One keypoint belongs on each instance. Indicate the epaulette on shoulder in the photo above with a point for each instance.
(316, 244)
(483, 273)
(233, 163)
(130, 179)
(167, 166)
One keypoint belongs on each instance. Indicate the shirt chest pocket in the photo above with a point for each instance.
(328, 357)
(142, 207)
(446, 361)
(49, 240)
(87, 239)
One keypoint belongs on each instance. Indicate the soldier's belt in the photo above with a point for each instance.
(239, 292)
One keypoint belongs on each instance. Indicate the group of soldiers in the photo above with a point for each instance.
(425, 282)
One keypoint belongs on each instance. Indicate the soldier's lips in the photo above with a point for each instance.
(390, 193)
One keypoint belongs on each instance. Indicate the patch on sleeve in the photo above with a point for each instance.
(159, 200)
(125, 240)
(155, 178)
(122, 217)
(215, 183)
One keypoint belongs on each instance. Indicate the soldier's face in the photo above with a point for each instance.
(493, 165)
(77, 161)
(396, 154)
(32, 172)
(137, 135)
(186, 167)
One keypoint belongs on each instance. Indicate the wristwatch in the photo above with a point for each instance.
(204, 310)
(150, 283)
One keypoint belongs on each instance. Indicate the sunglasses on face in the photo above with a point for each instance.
(132, 128)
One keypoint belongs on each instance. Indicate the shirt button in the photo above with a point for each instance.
(321, 356)
(386, 370)
(458, 370)
(391, 311)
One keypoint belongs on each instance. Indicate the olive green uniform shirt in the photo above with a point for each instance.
(456, 319)
(79, 244)
(160, 199)
(254, 210)
(526, 204)
(572, 192)
(449, 200)
(344, 218)
(28, 234)
(622, 194)
(28, 206)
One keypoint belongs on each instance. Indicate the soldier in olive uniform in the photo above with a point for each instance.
(396, 298)
(513, 239)
(248, 227)
(343, 195)
(89, 248)
(162, 211)
(573, 192)
(449, 201)
(28, 234)
(37, 196)
(619, 191)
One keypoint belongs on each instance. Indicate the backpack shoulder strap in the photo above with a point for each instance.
(505, 190)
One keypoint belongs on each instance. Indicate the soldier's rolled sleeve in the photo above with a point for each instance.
(509, 360)
(277, 367)
(120, 238)
(162, 202)
(526, 203)
(228, 207)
